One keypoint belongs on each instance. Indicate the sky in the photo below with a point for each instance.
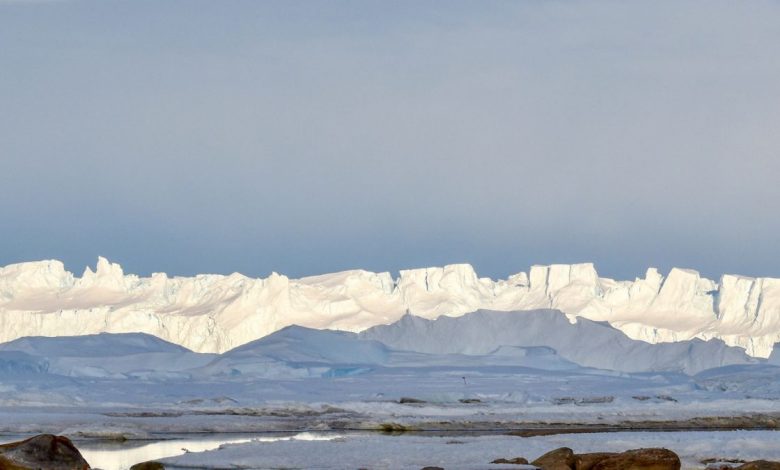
(310, 137)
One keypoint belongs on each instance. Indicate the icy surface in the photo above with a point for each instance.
(300, 378)
(214, 313)
(104, 355)
(570, 356)
(303, 381)
(585, 342)
(774, 358)
(465, 452)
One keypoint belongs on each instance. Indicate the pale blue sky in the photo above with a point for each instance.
(309, 137)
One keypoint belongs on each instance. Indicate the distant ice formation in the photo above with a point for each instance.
(543, 340)
(585, 342)
(215, 313)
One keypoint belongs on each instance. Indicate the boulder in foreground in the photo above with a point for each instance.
(640, 459)
(558, 459)
(588, 461)
(151, 465)
(637, 459)
(42, 451)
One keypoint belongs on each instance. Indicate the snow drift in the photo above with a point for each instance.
(214, 313)
(304, 352)
(544, 340)
(299, 352)
(104, 355)
(587, 343)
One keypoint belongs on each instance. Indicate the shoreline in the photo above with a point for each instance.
(764, 422)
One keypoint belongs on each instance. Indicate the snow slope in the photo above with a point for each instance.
(296, 351)
(299, 352)
(117, 356)
(214, 313)
(103, 345)
(587, 343)
(300, 378)
(544, 340)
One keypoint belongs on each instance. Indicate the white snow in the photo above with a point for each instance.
(110, 355)
(469, 452)
(215, 313)
(529, 361)
(587, 343)
(104, 355)
(482, 371)
(774, 358)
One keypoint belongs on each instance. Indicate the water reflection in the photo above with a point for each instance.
(116, 456)
(123, 455)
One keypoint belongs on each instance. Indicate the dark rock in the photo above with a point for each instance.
(666, 398)
(42, 451)
(151, 465)
(392, 428)
(760, 465)
(564, 401)
(641, 397)
(516, 461)
(558, 459)
(470, 400)
(582, 400)
(640, 459)
(404, 400)
(587, 461)
(595, 400)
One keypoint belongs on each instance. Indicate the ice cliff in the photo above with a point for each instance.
(214, 313)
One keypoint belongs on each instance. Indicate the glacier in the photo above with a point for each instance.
(216, 313)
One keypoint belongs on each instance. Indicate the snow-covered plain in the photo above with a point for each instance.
(214, 313)
(502, 368)
(470, 452)
(481, 373)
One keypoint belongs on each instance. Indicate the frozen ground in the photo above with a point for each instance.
(473, 378)
(343, 449)
(484, 370)
(469, 452)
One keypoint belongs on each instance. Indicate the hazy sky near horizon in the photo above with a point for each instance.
(309, 137)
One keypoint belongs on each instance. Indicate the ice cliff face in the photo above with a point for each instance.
(214, 313)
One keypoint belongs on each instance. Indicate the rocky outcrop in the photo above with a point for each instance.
(151, 465)
(44, 451)
(410, 400)
(640, 459)
(512, 461)
(637, 459)
(588, 461)
(558, 459)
